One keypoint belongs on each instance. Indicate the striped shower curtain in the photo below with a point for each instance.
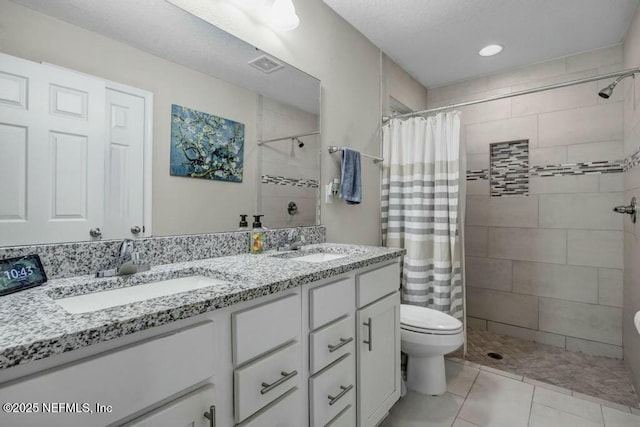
(420, 208)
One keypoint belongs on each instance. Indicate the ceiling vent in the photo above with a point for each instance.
(266, 64)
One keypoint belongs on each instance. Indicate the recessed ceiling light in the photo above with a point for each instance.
(492, 49)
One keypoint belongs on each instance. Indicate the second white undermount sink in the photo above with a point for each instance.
(319, 257)
(115, 297)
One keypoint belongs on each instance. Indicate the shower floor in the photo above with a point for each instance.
(595, 376)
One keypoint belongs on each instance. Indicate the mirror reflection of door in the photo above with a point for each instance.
(54, 125)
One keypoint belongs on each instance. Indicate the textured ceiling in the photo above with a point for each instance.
(169, 32)
(437, 41)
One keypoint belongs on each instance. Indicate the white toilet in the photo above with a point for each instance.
(427, 335)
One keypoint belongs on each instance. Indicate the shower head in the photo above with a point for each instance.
(300, 143)
(608, 91)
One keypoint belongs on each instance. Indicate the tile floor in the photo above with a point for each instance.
(480, 396)
(600, 377)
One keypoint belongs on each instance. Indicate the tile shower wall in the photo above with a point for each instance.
(547, 266)
(630, 338)
(289, 173)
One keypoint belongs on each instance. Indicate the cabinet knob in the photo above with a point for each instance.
(211, 416)
(95, 233)
(136, 229)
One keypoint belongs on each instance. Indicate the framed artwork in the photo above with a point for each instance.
(206, 146)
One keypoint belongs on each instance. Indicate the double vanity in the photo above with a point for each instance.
(282, 339)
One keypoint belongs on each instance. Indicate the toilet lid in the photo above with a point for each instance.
(417, 317)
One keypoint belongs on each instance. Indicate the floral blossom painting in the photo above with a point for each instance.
(206, 146)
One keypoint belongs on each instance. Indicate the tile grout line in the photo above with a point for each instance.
(467, 395)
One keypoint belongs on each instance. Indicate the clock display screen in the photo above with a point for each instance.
(21, 273)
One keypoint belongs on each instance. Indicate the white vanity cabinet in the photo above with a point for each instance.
(378, 349)
(325, 354)
(267, 357)
(193, 410)
(126, 381)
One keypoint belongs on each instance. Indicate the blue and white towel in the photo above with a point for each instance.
(351, 186)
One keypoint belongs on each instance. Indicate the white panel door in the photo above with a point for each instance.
(52, 153)
(124, 201)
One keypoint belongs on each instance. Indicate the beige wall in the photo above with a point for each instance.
(397, 83)
(631, 339)
(286, 159)
(180, 205)
(324, 46)
(327, 47)
(548, 266)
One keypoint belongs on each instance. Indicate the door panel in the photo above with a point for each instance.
(13, 169)
(125, 173)
(53, 150)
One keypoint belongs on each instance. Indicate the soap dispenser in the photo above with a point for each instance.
(244, 225)
(257, 235)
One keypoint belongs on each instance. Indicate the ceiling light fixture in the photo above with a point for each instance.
(283, 15)
(492, 49)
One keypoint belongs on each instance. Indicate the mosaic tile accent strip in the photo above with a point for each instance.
(294, 182)
(76, 259)
(475, 175)
(605, 166)
(509, 171)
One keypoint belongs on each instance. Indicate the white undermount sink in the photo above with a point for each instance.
(319, 257)
(114, 297)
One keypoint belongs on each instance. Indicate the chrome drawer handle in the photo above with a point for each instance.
(369, 324)
(343, 342)
(211, 416)
(266, 388)
(345, 390)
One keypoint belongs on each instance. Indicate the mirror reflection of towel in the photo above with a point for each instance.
(351, 185)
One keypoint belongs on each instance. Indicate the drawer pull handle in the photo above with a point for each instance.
(266, 388)
(211, 416)
(369, 324)
(345, 390)
(343, 342)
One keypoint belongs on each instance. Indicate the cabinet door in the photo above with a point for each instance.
(378, 359)
(187, 411)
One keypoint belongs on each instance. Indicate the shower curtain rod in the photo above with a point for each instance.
(282, 138)
(626, 73)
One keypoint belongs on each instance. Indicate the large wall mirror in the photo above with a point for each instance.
(123, 119)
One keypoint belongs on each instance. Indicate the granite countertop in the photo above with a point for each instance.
(33, 326)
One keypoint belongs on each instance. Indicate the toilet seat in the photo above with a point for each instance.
(428, 321)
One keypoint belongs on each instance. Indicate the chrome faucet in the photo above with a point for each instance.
(128, 262)
(294, 241)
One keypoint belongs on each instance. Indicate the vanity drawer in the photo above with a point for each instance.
(261, 382)
(331, 391)
(330, 343)
(346, 418)
(258, 330)
(130, 379)
(330, 301)
(375, 284)
(284, 412)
